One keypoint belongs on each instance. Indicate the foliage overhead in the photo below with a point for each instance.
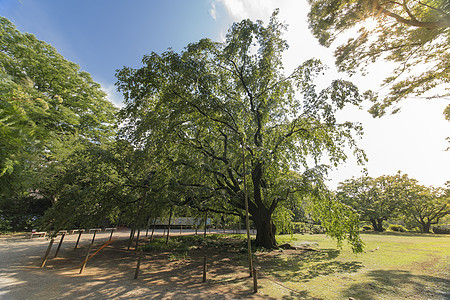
(414, 34)
(43, 97)
(207, 109)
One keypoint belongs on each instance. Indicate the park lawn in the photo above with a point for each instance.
(393, 266)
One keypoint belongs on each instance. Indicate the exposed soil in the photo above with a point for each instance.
(109, 274)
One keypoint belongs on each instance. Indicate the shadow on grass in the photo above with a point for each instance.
(395, 282)
(416, 234)
(306, 265)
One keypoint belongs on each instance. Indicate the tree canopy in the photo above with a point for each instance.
(45, 102)
(44, 96)
(413, 34)
(375, 199)
(395, 197)
(214, 106)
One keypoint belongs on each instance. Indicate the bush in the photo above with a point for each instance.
(398, 228)
(298, 227)
(366, 228)
(318, 229)
(443, 229)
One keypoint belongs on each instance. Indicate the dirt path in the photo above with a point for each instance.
(109, 274)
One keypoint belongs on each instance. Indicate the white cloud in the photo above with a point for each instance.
(253, 9)
(112, 95)
(212, 11)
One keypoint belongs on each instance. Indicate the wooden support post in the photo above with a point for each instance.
(93, 237)
(204, 268)
(47, 252)
(181, 229)
(86, 259)
(137, 240)
(60, 243)
(148, 226)
(168, 226)
(153, 230)
(255, 281)
(131, 238)
(78, 239)
(110, 236)
(206, 219)
(136, 274)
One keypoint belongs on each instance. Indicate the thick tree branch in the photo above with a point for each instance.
(443, 23)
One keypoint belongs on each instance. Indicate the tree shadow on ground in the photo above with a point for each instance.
(412, 234)
(306, 265)
(385, 283)
(109, 275)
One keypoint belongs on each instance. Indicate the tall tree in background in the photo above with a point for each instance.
(45, 101)
(212, 107)
(44, 96)
(395, 197)
(414, 34)
(425, 206)
(375, 199)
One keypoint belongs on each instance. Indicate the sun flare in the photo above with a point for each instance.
(370, 24)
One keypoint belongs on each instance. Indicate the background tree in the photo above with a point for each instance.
(100, 184)
(45, 102)
(214, 105)
(425, 206)
(376, 200)
(413, 34)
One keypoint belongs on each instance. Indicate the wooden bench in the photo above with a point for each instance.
(38, 233)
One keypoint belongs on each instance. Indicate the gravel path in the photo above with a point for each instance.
(109, 275)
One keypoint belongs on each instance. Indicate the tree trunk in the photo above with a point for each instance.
(380, 225)
(426, 227)
(377, 224)
(265, 234)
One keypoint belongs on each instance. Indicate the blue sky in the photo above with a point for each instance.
(104, 35)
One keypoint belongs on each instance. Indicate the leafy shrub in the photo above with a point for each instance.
(318, 229)
(397, 227)
(443, 229)
(298, 227)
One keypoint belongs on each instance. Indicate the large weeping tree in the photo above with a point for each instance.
(218, 112)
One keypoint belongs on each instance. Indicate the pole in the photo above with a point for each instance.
(153, 230)
(78, 240)
(148, 226)
(247, 221)
(255, 281)
(60, 243)
(137, 240)
(168, 227)
(110, 236)
(206, 219)
(136, 274)
(93, 237)
(86, 259)
(204, 268)
(47, 252)
(130, 241)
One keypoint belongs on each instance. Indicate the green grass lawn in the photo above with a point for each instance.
(393, 266)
